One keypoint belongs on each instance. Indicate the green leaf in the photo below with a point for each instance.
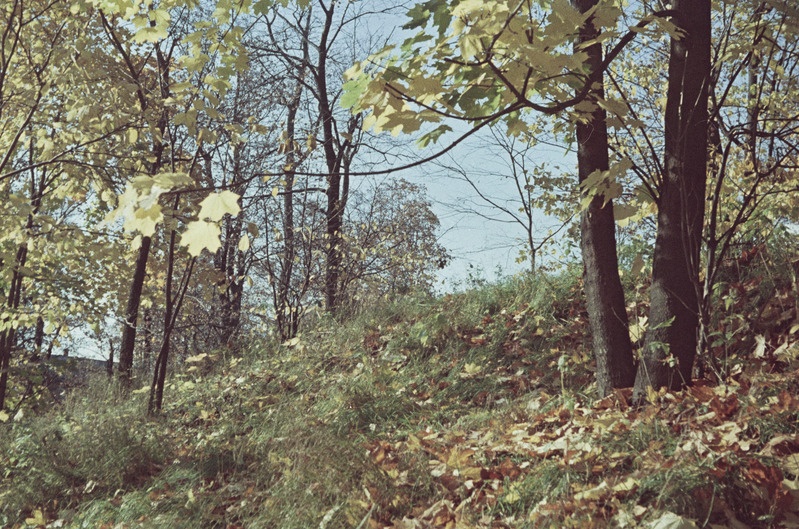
(244, 243)
(433, 135)
(159, 16)
(150, 34)
(262, 7)
(353, 89)
(419, 15)
(144, 219)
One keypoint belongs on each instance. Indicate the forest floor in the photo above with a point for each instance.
(473, 410)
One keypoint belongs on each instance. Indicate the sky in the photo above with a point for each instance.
(480, 247)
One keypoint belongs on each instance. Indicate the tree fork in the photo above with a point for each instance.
(671, 341)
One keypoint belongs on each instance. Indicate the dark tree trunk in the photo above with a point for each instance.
(338, 156)
(603, 290)
(333, 163)
(172, 308)
(8, 337)
(147, 338)
(287, 315)
(227, 261)
(128, 342)
(333, 243)
(109, 364)
(38, 338)
(671, 341)
(6, 342)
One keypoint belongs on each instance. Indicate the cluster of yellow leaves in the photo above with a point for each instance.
(481, 470)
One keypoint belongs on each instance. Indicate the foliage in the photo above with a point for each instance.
(131, 131)
(421, 412)
(390, 245)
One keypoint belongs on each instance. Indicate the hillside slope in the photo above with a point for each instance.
(472, 411)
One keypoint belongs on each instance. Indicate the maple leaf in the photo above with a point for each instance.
(200, 235)
(216, 205)
(669, 520)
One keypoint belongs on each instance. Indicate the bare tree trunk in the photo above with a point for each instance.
(671, 341)
(333, 161)
(128, 341)
(147, 331)
(172, 308)
(227, 262)
(109, 364)
(287, 315)
(38, 338)
(338, 157)
(603, 290)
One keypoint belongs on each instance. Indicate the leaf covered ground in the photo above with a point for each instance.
(473, 410)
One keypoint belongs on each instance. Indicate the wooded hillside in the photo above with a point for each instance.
(203, 196)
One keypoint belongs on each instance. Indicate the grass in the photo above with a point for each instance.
(474, 409)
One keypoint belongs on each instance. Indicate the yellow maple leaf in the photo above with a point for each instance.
(216, 205)
(37, 519)
(201, 235)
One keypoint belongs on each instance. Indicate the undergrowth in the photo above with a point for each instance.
(474, 409)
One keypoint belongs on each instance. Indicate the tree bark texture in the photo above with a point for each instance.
(128, 342)
(333, 163)
(671, 340)
(604, 293)
(228, 261)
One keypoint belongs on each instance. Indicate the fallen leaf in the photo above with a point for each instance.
(669, 520)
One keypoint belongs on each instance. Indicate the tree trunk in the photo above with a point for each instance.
(6, 342)
(228, 263)
(147, 337)
(333, 161)
(333, 243)
(671, 341)
(8, 337)
(38, 339)
(603, 290)
(128, 340)
(125, 370)
(172, 306)
(286, 311)
(159, 373)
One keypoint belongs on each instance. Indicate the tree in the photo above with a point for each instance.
(527, 189)
(484, 62)
(390, 247)
(607, 312)
(170, 83)
(671, 340)
(49, 138)
(752, 144)
(496, 61)
(292, 66)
